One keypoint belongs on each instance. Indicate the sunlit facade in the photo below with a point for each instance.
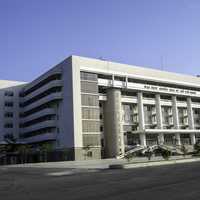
(99, 109)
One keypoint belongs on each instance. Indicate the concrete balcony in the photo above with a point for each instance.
(40, 138)
(128, 99)
(102, 97)
(119, 84)
(51, 84)
(181, 104)
(38, 126)
(49, 98)
(165, 102)
(195, 105)
(149, 101)
(105, 82)
(44, 112)
(52, 72)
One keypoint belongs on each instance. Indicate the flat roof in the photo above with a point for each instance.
(102, 66)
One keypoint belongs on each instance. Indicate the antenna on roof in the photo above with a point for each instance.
(101, 58)
(162, 63)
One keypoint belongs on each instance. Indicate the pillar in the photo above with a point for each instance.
(159, 118)
(191, 119)
(175, 118)
(114, 136)
(141, 119)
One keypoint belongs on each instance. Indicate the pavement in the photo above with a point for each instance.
(94, 164)
(169, 182)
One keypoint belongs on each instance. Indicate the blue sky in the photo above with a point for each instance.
(37, 34)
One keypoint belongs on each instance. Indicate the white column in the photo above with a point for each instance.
(126, 81)
(190, 119)
(114, 136)
(159, 118)
(175, 118)
(141, 118)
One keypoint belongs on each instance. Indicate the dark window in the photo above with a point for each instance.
(9, 93)
(8, 125)
(9, 104)
(8, 114)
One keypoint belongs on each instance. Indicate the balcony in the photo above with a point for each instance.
(105, 82)
(119, 84)
(38, 126)
(39, 138)
(44, 112)
(54, 83)
(43, 80)
(49, 98)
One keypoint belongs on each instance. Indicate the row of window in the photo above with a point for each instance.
(41, 83)
(91, 140)
(38, 120)
(88, 76)
(89, 100)
(90, 113)
(42, 95)
(89, 87)
(150, 116)
(37, 132)
(9, 93)
(90, 126)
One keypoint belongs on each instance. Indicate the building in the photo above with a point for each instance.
(96, 109)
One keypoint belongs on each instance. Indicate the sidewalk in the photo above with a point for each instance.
(105, 163)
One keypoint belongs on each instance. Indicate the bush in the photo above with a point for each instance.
(184, 150)
(197, 148)
(129, 156)
(164, 153)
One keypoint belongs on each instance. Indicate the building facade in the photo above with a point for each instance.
(98, 109)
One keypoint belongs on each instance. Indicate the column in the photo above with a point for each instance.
(191, 119)
(159, 118)
(175, 119)
(114, 136)
(141, 119)
(126, 81)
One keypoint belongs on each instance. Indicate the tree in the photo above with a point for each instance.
(149, 153)
(45, 148)
(184, 150)
(197, 148)
(129, 156)
(165, 154)
(23, 150)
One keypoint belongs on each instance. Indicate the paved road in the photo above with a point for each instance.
(180, 181)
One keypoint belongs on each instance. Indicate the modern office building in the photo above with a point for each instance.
(96, 108)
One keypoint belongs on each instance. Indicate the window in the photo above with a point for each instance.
(91, 140)
(8, 114)
(91, 126)
(9, 93)
(88, 76)
(90, 113)
(101, 116)
(89, 87)
(9, 104)
(8, 125)
(89, 100)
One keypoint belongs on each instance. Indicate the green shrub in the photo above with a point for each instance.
(184, 150)
(165, 154)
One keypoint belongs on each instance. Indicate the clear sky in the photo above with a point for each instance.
(37, 34)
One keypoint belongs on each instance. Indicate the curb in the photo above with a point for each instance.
(153, 163)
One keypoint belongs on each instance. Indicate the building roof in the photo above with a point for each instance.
(103, 66)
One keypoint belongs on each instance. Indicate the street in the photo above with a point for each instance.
(181, 181)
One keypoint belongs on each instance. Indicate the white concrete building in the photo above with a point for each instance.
(95, 108)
